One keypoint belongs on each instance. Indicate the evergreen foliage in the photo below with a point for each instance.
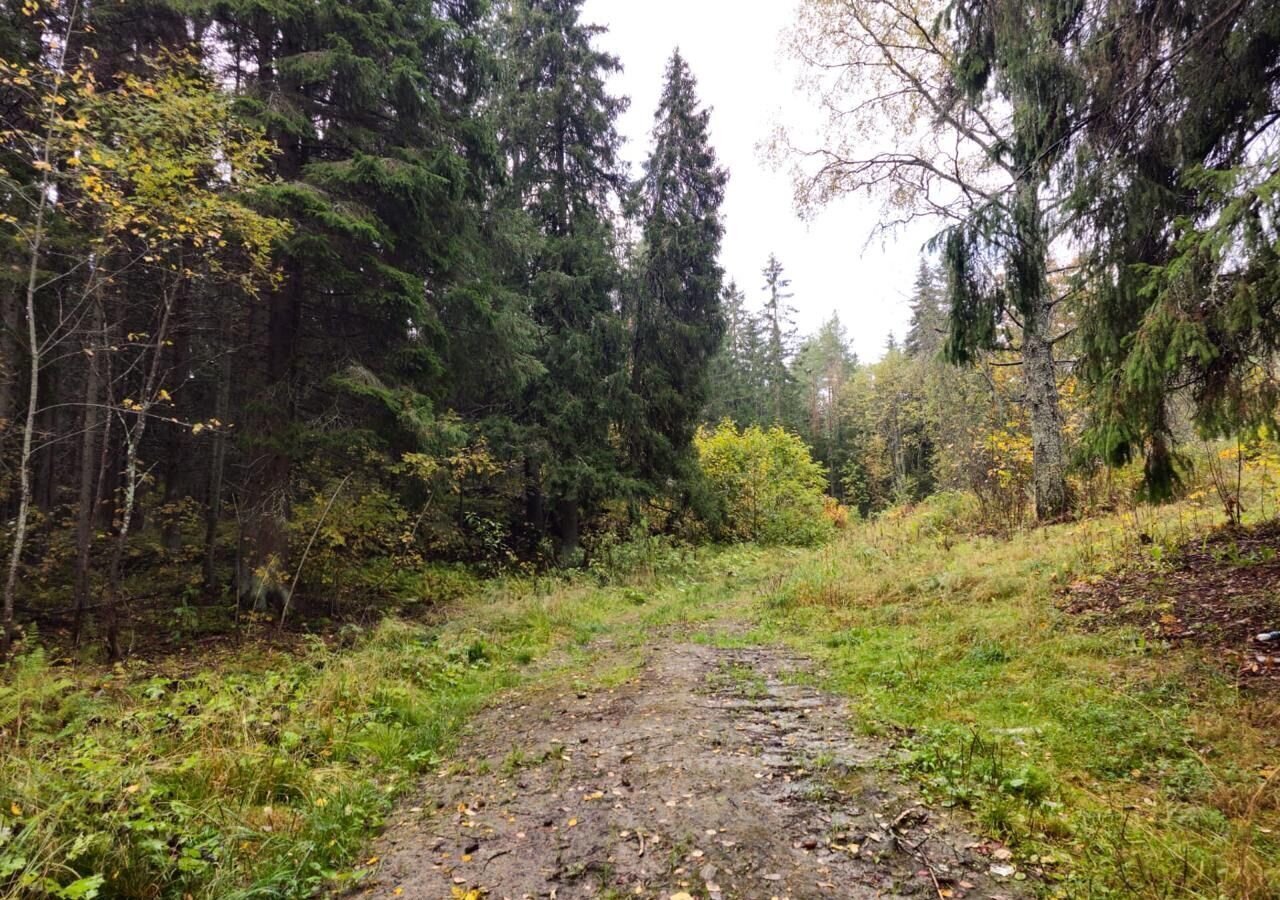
(778, 324)
(1174, 184)
(676, 317)
(559, 136)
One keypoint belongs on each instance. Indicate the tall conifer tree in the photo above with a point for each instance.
(1016, 54)
(559, 136)
(384, 163)
(1175, 189)
(677, 320)
(778, 319)
(735, 389)
(928, 329)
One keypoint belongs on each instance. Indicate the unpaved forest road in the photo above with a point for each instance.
(712, 773)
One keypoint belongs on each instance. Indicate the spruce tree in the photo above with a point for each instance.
(1174, 192)
(1016, 55)
(731, 392)
(558, 134)
(928, 329)
(676, 315)
(384, 161)
(823, 365)
(778, 318)
(982, 102)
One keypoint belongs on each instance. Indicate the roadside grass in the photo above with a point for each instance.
(264, 773)
(1114, 765)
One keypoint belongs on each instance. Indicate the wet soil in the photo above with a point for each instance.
(712, 773)
(1220, 592)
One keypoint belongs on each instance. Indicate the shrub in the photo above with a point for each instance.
(770, 488)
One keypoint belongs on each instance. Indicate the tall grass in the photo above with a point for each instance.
(1119, 767)
(265, 772)
(1115, 766)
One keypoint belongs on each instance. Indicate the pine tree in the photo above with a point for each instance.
(560, 139)
(677, 320)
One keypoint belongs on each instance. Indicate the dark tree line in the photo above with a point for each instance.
(455, 351)
(300, 296)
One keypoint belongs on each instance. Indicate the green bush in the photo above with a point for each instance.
(769, 487)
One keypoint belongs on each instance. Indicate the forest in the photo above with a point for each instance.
(351, 378)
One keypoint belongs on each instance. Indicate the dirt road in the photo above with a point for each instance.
(712, 773)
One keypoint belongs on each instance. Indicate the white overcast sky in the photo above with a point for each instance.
(735, 51)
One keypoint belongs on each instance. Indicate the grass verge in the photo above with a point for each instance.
(1117, 767)
(265, 773)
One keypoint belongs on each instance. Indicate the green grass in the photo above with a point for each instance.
(1119, 767)
(266, 773)
(1122, 768)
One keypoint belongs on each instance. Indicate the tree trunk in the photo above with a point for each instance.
(35, 250)
(133, 435)
(88, 469)
(44, 468)
(1048, 455)
(1030, 286)
(534, 509)
(7, 629)
(568, 518)
(178, 463)
(265, 541)
(218, 463)
(9, 356)
(265, 582)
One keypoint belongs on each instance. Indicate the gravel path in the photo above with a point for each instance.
(714, 773)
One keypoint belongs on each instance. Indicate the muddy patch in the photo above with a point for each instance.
(1221, 592)
(713, 773)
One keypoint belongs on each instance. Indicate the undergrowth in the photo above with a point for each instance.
(265, 773)
(1113, 765)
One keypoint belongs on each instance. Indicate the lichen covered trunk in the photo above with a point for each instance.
(1049, 460)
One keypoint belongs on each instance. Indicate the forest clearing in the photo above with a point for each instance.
(567, 449)
(924, 672)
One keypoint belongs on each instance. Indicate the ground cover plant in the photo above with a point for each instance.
(1112, 762)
